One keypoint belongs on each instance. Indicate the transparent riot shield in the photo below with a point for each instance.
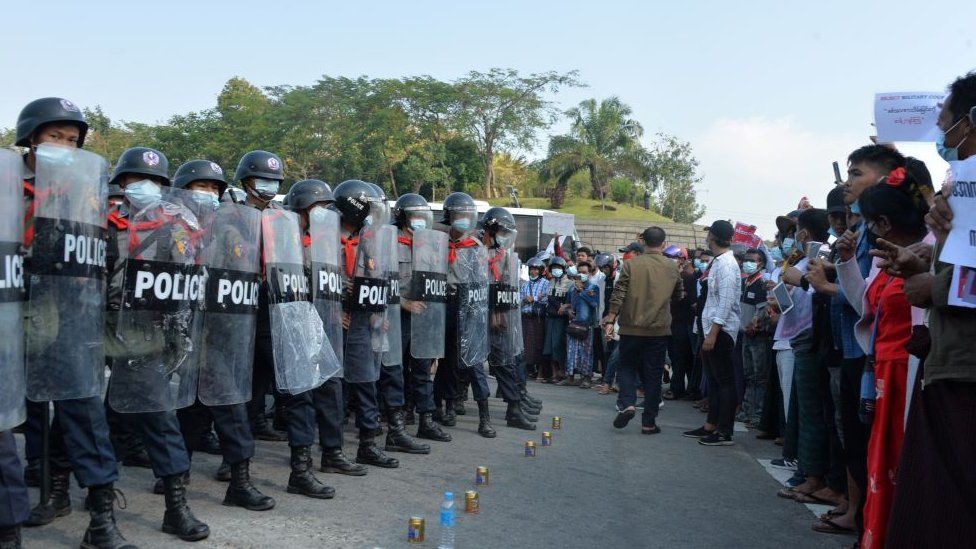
(514, 283)
(232, 259)
(429, 286)
(154, 361)
(326, 271)
(303, 357)
(367, 338)
(503, 313)
(470, 268)
(66, 307)
(13, 387)
(602, 286)
(393, 354)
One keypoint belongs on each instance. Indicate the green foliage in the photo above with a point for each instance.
(622, 190)
(675, 171)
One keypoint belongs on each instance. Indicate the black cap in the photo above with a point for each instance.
(722, 230)
(632, 247)
(835, 201)
(786, 223)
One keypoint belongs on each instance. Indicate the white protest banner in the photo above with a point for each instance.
(907, 116)
(960, 245)
(558, 223)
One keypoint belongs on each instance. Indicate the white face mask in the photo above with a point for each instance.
(417, 224)
(266, 189)
(205, 200)
(142, 193)
(557, 273)
(584, 277)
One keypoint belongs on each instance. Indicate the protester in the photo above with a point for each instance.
(681, 343)
(534, 295)
(584, 300)
(756, 342)
(554, 345)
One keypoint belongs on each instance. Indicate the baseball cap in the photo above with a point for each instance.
(632, 247)
(722, 230)
(835, 201)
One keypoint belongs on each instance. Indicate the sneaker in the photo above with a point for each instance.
(716, 438)
(783, 463)
(796, 480)
(696, 433)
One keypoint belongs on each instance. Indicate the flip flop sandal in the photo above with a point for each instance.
(810, 498)
(830, 527)
(831, 514)
(790, 493)
(623, 418)
(650, 430)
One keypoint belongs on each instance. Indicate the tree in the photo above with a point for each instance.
(604, 141)
(502, 108)
(675, 173)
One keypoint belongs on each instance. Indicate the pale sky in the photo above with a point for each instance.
(768, 93)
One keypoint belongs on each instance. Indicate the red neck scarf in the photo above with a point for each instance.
(350, 245)
(307, 240)
(405, 240)
(493, 264)
(453, 248)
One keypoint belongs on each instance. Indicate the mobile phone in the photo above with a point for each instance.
(782, 296)
(813, 249)
(837, 178)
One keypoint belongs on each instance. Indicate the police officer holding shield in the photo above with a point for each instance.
(362, 256)
(261, 174)
(67, 179)
(152, 243)
(311, 199)
(466, 346)
(504, 320)
(422, 257)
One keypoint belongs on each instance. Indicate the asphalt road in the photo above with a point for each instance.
(595, 487)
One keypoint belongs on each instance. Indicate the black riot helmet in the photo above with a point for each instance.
(410, 207)
(457, 202)
(143, 161)
(602, 260)
(378, 190)
(260, 164)
(497, 219)
(45, 111)
(234, 195)
(382, 207)
(200, 170)
(306, 193)
(354, 199)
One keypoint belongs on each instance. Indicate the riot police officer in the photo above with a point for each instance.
(142, 229)
(499, 235)
(466, 346)
(362, 254)
(260, 174)
(79, 436)
(320, 230)
(413, 218)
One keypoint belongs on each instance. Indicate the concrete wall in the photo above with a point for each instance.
(609, 236)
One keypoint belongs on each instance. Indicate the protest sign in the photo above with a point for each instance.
(960, 245)
(907, 116)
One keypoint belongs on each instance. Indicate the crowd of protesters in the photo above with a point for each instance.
(839, 340)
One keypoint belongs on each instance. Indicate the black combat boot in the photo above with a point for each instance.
(334, 461)
(524, 391)
(262, 430)
(529, 413)
(429, 430)
(58, 506)
(241, 493)
(179, 520)
(32, 473)
(209, 443)
(10, 537)
(514, 417)
(159, 488)
(223, 472)
(302, 480)
(409, 418)
(459, 408)
(370, 454)
(484, 421)
(102, 533)
(449, 418)
(397, 439)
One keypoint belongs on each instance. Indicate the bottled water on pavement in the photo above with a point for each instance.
(447, 522)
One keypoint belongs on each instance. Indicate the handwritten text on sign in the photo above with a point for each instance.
(960, 246)
(907, 116)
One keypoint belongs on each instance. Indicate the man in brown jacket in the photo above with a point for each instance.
(641, 305)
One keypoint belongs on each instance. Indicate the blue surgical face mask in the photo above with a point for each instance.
(533, 277)
(557, 273)
(856, 208)
(503, 240)
(55, 155)
(205, 201)
(750, 267)
(461, 224)
(142, 193)
(700, 265)
(368, 221)
(417, 224)
(584, 277)
(787, 245)
(266, 189)
(572, 270)
(833, 232)
(777, 254)
(949, 154)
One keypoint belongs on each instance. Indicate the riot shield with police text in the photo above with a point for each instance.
(470, 268)
(393, 354)
(367, 337)
(154, 364)
(12, 293)
(504, 320)
(303, 357)
(232, 258)
(428, 286)
(514, 283)
(66, 305)
(327, 283)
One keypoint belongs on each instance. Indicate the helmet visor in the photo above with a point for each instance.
(419, 219)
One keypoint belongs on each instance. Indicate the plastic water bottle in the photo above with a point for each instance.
(447, 522)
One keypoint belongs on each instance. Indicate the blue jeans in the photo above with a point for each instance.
(755, 362)
(642, 358)
(610, 374)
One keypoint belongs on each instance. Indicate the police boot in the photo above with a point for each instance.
(102, 533)
(209, 443)
(262, 430)
(370, 454)
(524, 391)
(223, 472)
(241, 493)
(484, 421)
(32, 473)
(409, 418)
(10, 537)
(137, 457)
(459, 408)
(429, 430)
(179, 520)
(529, 413)
(514, 417)
(397, 439)
(302, 480)
(159, 488)
(449, 418)
(58, 506)
(334, 461)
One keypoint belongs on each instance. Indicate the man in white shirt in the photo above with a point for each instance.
(720, 324)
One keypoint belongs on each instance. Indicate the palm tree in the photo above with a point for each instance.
(603, 140)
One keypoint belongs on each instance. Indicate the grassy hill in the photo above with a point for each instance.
(586, 208)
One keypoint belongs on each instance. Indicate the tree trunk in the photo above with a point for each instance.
(393, 185)
(489, 160)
